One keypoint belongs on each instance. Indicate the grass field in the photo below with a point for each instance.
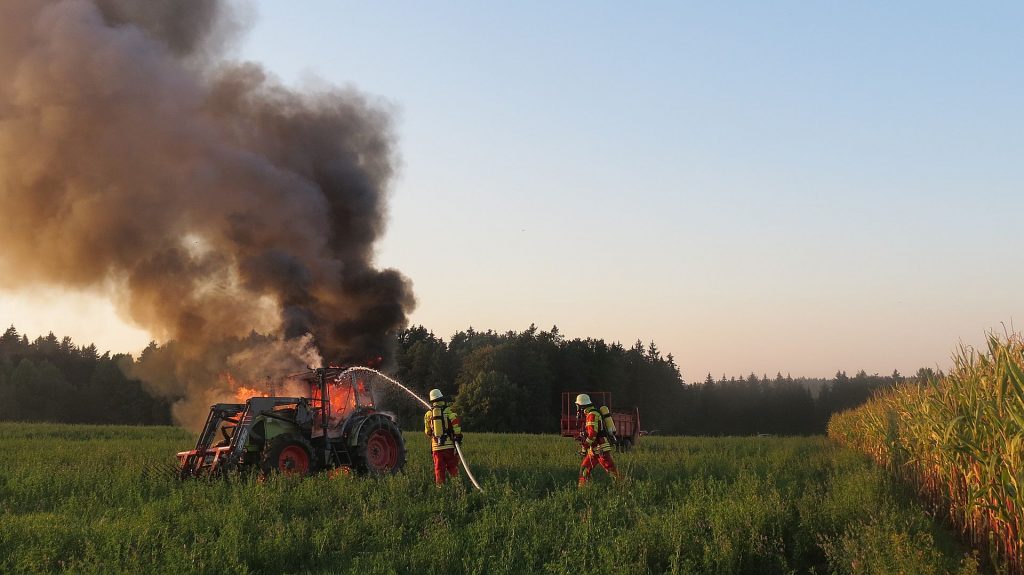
(76, 499)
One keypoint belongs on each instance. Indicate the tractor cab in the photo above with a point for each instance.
(339, 395)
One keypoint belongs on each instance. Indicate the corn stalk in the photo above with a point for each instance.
(959, 440)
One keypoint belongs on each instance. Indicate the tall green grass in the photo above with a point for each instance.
(960, 442)
(77, 499)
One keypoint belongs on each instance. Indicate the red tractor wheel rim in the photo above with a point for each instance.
(293, 459)
(381, 451)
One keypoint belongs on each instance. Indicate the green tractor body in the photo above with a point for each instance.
(333, 424)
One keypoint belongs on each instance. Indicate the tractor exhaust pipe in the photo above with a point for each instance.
(324, 408)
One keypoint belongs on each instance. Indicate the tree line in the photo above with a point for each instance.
(513, 381)
(51, 379)
(504, 382)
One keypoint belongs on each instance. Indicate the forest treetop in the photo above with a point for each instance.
(510, 382)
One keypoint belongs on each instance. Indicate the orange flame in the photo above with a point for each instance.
(242, 391)
(342, 394)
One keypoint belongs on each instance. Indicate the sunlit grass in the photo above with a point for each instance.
(78, 498)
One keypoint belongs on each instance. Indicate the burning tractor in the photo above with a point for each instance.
(331, 423)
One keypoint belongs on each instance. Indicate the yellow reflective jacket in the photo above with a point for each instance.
(593, 435)
(441, 425)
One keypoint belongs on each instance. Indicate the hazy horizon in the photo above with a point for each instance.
(118, 336)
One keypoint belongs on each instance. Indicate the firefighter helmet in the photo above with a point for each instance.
(582, 399)
(435, 394)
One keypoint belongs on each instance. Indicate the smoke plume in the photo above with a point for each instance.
(209, 201)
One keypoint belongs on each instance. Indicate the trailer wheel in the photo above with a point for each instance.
(289, 454)
(625, 444)
(380, 447)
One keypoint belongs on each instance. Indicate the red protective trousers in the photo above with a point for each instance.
(588, 463)
(445, 461)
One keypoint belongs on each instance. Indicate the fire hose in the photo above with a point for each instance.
(462, 457)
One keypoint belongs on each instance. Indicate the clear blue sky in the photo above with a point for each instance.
(760, 186)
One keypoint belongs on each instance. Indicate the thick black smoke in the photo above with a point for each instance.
(206, 198)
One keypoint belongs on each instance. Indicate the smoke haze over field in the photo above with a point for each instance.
(205, 198)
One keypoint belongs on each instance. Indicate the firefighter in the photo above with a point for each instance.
(594, 445)
(441, 425)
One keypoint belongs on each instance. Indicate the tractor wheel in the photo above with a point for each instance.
(380, 447)
(290, 454)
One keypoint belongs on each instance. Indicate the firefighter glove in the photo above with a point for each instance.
(458, 438)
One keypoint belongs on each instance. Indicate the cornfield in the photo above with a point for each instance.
(958, 441)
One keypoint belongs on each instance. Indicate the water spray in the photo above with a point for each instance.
(462, 457)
